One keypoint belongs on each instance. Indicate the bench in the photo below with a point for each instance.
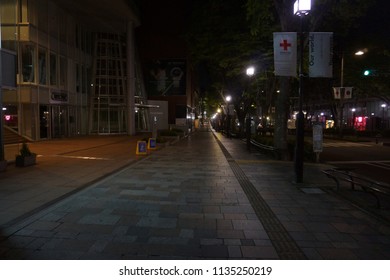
(374, 188)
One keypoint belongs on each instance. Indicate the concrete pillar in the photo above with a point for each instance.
(130, 65)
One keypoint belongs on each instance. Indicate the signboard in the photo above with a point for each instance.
(317, 138)
(285, 53)
(141, 148)
(152, 143)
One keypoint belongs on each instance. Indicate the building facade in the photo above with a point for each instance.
(77, 70)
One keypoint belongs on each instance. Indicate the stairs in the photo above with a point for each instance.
(12, 137)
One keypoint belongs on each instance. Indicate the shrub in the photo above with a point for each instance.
(25, 151)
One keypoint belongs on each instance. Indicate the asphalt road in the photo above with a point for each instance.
(367, 158)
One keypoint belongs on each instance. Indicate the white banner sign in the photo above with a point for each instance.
(285, 53)
(321, 54)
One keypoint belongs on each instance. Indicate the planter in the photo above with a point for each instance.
(3, 165)
(22, 161)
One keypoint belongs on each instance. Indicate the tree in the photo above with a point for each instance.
(227, 35)
(327, 15)
(220, 41)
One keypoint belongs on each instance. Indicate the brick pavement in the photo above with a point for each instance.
(205, 197)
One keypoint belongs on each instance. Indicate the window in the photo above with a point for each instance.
(42, 64)
(83, 80)
(53, 69)
(23, 11)
(77, 77)
(28, 63)
(63, 71)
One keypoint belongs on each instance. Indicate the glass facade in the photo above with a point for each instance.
(109, 109)
(71, 79)
(28, 63)
(42, 66)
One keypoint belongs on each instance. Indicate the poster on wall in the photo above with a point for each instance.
(166, 78)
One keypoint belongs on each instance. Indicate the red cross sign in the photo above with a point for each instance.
(285, 45)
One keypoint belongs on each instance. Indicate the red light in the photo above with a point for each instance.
(7, 117)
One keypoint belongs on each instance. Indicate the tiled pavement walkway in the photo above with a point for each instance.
(204, 197)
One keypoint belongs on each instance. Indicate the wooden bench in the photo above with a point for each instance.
(346, 175)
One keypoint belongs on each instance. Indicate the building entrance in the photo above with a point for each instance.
(59, 124)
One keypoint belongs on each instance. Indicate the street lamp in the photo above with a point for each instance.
(342, 89)
(228, 99)
(383, 115)
(1, 104)
(250, 71)
(301, 9)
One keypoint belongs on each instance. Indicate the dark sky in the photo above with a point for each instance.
(374, 25)
(162, 26)
(164, 21)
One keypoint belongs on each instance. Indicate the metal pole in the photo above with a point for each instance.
(299, 146)
(248, 132)
(1, 103)
(228, 122)
(342, 91)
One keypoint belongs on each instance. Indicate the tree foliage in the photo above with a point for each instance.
(228, 35)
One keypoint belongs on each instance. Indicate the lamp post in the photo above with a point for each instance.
(353, 117)
(342, 89)
(383, 115)
(228, 99)
(301, 9)
(250, 72)
(1, 104)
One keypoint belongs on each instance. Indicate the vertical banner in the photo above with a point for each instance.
(285, 53)
(321, 54)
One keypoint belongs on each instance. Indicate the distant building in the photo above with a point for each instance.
(166, 67)
(77, 69)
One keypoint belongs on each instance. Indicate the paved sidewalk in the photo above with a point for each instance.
(204, 197)
(64, 166)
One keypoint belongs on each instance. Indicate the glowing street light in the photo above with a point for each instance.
(359, 52)
(228, 99)
(250, 71)
(301, 9)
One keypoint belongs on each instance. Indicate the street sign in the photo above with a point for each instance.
(141, 148)
(317, 140)
(152, 144)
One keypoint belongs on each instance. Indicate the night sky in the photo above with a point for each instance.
(162, 26)
(163, 23)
